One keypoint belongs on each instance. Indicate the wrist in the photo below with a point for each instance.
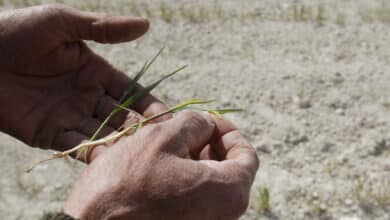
(106, 213)
(88, 205)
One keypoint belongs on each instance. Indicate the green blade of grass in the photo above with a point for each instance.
(191, 102)
(142, 93)
(129, 89)
(224, 111)
(133, 99)
(217, 112)
(143, 70)
(133, 82)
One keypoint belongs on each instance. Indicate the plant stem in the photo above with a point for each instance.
(90, 145)
(84, 148)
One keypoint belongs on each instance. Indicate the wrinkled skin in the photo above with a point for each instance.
(54, 90)
(151, 178)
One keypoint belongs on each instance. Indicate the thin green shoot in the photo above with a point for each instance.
(129, 89)
(138, 76)
(130, 101)
(217, 112)
(142, 93)
(264, 197)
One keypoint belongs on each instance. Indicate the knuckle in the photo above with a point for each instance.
(152, 130)
(195, 119)
(255, 157)
(53, 7)
(187, 114)
(53, 11)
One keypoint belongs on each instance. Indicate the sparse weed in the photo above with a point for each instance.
(261, 201)
(166, 13)
(366, 192)
(218, 11)
(375, 15)
(148, 11)
(358, 192)
(341, 20)
(320, 13)
(204, 14)
(265, 198)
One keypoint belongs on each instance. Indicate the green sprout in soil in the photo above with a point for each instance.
(125, 103)
(264, 199)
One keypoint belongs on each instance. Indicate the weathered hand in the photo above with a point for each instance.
(54, 90)
(148, 176)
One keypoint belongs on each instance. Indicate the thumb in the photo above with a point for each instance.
(101, 27)
(187, 131)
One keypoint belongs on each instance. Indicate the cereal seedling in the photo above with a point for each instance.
(125, 103)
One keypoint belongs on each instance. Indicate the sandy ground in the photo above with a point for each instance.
(312, 76)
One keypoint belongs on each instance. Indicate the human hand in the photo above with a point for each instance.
(54, 90)
(149, 176)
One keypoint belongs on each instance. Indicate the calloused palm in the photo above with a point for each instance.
(54, 90)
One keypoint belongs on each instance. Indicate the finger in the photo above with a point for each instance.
(68, 139)
(89, 126)
(214, 150)
(101, 27)
(186, 130)
(147, 106)
(106, 105)
(207, 153)
(236, 153)
(239, 153)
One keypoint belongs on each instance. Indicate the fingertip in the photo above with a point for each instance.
(137, 25)
(144, 22)
(119, 29)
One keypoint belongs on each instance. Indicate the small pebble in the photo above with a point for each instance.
(340, 111)
(323, 207)
(304, 104)
(348, 202)
(315, 195)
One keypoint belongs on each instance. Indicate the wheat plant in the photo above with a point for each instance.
(126, 101)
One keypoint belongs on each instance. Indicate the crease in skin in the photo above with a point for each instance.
(99, 28)
(43, 123)
(40, 102)
(34, 108)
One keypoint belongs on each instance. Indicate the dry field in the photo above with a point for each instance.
(313, 76)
